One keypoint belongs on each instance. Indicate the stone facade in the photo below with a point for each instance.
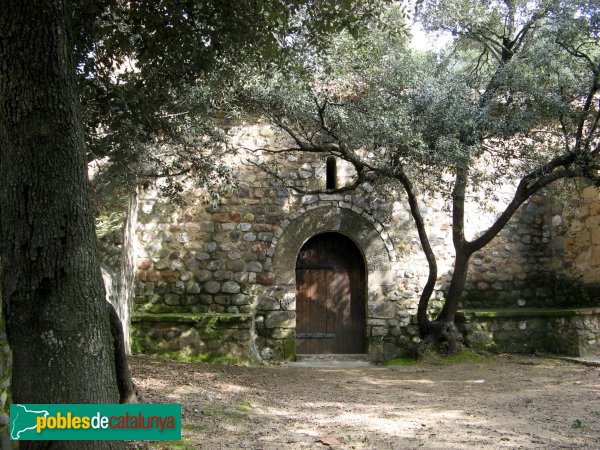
(237, 259)
(574, 332)
(548, 255)
(578, 237)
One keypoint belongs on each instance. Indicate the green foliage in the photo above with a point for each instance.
(511, 101)
(503, 105)
(110, 225)
(577, 424)
(151, 73)
(401, 362)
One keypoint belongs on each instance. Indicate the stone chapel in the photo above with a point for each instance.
(272, 271)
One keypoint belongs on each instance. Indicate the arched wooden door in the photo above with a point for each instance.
(330, 296)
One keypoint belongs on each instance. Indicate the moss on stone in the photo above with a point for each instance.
(527, 312)
(188, 317)
(552, 343)
(465, 355)
(289, 349)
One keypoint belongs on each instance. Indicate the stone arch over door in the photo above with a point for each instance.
(369, 236)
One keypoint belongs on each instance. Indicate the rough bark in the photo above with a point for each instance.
(422, 318)
(56, 317)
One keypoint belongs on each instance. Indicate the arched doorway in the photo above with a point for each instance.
(330, 296)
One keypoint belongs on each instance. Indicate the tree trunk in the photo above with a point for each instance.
(457, 284)
(422, 318)
(441, 333)
(56, 317)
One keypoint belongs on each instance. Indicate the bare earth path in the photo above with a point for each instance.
(500, 402)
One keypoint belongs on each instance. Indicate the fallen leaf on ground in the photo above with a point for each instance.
(328, 441)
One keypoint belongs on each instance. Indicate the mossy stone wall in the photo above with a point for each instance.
(238, 256)
(572, 331)
(193, 335)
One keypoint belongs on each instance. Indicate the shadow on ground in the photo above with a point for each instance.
(497, 402)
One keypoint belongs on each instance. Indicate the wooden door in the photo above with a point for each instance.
(330, 296)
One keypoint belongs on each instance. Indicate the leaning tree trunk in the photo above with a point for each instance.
(457, 285)
(441, 332)
(56, 317)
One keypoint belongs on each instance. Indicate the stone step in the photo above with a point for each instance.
(330, 361)
(333, 357)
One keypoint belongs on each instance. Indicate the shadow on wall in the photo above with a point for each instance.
(525, 265)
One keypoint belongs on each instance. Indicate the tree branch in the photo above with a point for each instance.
(529, 184)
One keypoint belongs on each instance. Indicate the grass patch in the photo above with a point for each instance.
(464, 355)
(227, 360)
(577, 424)
(194, 428)
(401, 362)
(244, 406)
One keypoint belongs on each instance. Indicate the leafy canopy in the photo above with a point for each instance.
(504, 98)
(150, 71)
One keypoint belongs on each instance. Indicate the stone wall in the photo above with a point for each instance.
(193, 335)
(578, 238)
(573, 331)
(238, 257)
(548, 255)
(515, 269)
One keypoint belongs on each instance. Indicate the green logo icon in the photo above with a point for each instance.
(95, 422)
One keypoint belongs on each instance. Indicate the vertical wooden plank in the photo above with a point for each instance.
(361, 289)
(316, 311)
(322, 311)
(330, 312)
(331, 301)
(352, 325)
(346, 294)
(339, 313)
(301, 346)
(358, 311)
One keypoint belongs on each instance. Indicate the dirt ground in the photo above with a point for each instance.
(495, 402)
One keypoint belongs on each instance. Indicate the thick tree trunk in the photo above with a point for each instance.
(441, 333)
(56, 316)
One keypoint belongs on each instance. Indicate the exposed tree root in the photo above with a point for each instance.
(441, 337)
